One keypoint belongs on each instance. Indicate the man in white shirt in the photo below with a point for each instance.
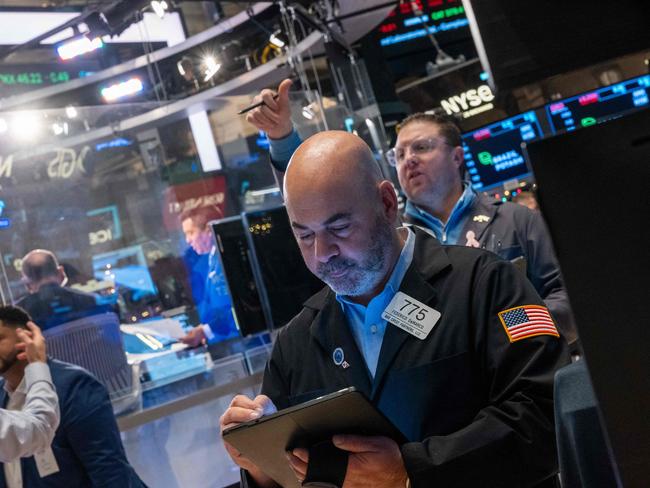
(86, 450)
(31, 428)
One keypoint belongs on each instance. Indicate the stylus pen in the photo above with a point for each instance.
(255, 105)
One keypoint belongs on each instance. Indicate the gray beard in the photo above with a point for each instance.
(361, 278)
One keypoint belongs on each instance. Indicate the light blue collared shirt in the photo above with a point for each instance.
(448, 233)
(367, 326)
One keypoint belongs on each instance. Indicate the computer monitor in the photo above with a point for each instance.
(493, 154)
(589, 108)
(266, 275)
(127, 269)
(287, 280)
(593, 193)
(235, 255)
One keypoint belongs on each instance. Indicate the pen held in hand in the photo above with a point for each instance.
(255, 105)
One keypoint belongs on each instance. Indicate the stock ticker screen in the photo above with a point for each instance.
(598, 105)
(405, 28)
(493, 153)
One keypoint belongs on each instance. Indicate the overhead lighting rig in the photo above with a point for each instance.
(122, 90)
(102, 19)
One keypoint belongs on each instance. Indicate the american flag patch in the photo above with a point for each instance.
(527, 321)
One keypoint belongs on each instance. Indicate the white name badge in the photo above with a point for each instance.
(411, 315)
(46, 462)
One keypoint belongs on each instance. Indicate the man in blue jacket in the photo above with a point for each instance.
(428, 156)
(215, 308)
(87, 450)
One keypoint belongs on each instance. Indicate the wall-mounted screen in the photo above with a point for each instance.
(493, 153)
(598, 105)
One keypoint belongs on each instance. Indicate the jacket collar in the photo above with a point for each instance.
(330, 328)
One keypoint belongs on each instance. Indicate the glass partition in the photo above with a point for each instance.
(104, 187)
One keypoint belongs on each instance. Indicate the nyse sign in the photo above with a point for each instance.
(470, 102)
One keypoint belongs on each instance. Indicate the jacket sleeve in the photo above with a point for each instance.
(274, 383)
(511, 440)
(93, 434)
(281, 150)
(544, 272)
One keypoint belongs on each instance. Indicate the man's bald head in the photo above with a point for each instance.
(343, 213)
(40, 266)
(332, 158)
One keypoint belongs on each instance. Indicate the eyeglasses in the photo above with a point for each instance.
(397, 155)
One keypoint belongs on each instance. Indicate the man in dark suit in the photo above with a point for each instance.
(49, 302)
(87, 450)
(452, 344)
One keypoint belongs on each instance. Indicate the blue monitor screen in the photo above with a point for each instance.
(127, 268)
(493, 153)
(596, 106)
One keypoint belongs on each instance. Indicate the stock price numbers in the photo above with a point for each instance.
(34, 78)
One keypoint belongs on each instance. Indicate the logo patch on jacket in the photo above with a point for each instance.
(527, 321)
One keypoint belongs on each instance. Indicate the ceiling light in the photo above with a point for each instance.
(77, 47)
(25, 125)
(60, 128)
(185, 66)
(3, 126)
(159, 8)
(71, 112)
(121, 90)
(275, 40)
(211, 67)
(307, 112)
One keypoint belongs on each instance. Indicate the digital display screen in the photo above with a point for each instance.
(20, 78)
(406, 25)
(595, 106)
(127, 268)
(493, 153)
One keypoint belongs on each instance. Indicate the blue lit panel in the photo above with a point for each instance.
(596, 106)
(493, 153)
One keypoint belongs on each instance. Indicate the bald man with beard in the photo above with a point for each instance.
(470, 387)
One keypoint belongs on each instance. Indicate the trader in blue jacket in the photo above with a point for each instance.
(215, 308)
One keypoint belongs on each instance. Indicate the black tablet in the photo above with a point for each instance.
(266, 440)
